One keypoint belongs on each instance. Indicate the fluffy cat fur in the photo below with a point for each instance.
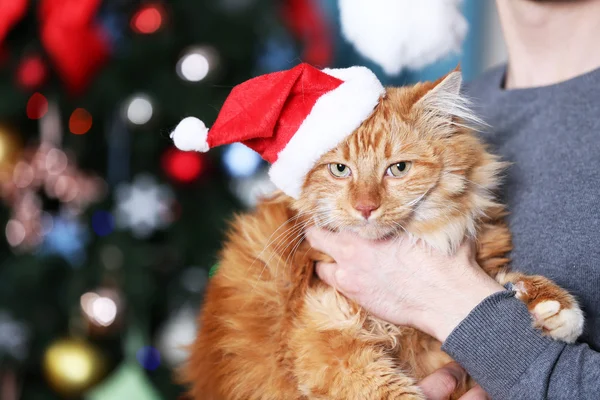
(270, 330)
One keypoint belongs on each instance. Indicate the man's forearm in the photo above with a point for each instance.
(498, 346)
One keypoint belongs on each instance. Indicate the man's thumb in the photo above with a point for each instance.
(327, 272)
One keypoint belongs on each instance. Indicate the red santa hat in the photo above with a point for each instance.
(291, 118)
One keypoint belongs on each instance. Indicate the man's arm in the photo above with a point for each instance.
(498, 346)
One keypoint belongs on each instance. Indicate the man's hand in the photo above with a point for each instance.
(440, 384)
(404, 283)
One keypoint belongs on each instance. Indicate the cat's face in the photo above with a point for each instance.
(408, 168)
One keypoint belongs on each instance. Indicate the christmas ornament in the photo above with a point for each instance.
(139, 109)
(241, 161)
(72, 366)
(177, 334)
(295, 117)
(307, 22)
(80, 121)
(103, 223)
(148, 19)
(14, 337)
(37, 106)
(399, 34)
(12, 12)
(129, 381)
(76, 44)
(148, 357)
(31, 72)
(251, 189)
(46, 168)
(9, 150)
(182, 166)
(143, 206)
(196, 63)
(67, 238)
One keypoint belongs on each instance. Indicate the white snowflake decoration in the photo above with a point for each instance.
(143, 206)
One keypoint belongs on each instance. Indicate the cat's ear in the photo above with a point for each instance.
(445, 106)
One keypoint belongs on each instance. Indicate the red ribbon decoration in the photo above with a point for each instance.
(76, 45)
(307, 22)
(11, 12)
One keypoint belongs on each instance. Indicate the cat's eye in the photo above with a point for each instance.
(339, 170)
(399, 169)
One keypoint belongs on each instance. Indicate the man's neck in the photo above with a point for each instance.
(549, 41)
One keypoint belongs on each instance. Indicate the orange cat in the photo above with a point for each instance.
(269, 329)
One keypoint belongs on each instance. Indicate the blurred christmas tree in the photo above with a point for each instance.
(108, 232)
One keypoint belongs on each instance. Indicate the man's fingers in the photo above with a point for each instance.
(477, 393)
(318, 239)
(440, 384)
(327, 273)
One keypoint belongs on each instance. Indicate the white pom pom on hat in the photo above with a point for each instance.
(191, 135)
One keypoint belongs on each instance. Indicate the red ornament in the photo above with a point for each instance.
(148, 19)
(80, 121)
(37, 106)
(183, 166)
(11, 12)
(76, 44)
(31, 72)
(307, 22)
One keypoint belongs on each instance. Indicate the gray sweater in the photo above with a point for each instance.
(552, 135)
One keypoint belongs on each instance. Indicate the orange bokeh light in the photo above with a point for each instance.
(147, 20)
(80, 121)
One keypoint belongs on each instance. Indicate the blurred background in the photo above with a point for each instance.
(108, 232)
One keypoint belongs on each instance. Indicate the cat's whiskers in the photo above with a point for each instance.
(285, 240)
(271, 241)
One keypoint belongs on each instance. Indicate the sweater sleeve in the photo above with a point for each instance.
(510, 359)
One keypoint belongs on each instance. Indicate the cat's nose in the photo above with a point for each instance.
(366, 208)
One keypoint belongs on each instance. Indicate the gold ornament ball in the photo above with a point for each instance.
(72, 366)
(9, 146)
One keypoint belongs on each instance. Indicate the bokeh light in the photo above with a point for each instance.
(148, 19)
(56, 161)
(139, 110)
(193, 67)
(37, 106)
(112, 257)
(103, 223)
(15, 233)
(183, 166)
(148, 357)
(23, 174)
(197, 63)
(101, 310)
(80, 121)
(31, 72)
(241, 161)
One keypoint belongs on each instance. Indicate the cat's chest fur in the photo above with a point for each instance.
(270, 329)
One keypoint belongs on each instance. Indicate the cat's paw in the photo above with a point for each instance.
(555, 312)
